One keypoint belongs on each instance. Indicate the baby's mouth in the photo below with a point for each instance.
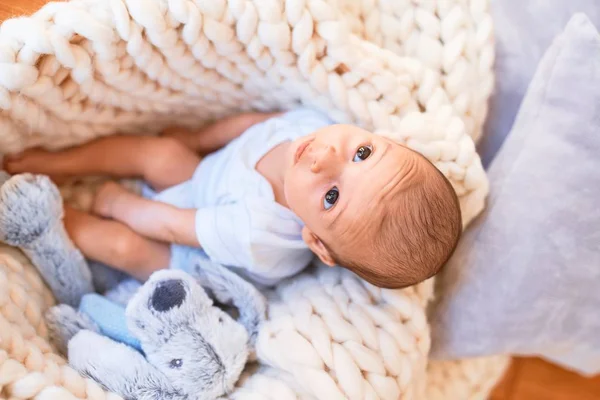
(300, 150)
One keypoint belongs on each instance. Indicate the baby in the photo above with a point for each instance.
(272, 191)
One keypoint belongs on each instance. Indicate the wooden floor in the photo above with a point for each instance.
(527, 379)
(13, 8)
(534, 379)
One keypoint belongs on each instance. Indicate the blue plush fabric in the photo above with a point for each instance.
(110, 318)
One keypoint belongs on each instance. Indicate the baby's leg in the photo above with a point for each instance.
(161, 161)
(115, 244)
(216, 135)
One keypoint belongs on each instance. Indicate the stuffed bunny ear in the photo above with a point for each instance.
(230, 288)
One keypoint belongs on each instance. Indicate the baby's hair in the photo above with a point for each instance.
(419, 230)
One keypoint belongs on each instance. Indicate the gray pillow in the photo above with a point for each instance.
(523, 31)
(525, 278)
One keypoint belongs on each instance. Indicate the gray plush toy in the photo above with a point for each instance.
(190, 348)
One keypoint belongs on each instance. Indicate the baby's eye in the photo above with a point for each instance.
(362, 153)
(331, 197)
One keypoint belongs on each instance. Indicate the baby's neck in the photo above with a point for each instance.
(272, 167)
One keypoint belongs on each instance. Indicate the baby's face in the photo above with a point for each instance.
(338, 180)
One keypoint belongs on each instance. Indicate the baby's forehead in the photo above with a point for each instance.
(399, 169)
(377, 195)
(411, 155)
(347, 129)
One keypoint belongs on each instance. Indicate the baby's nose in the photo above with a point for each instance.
(324, 159)
(167, 295)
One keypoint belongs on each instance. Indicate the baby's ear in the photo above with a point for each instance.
(317, 247)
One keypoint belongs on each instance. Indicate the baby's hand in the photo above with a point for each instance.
(106, 197)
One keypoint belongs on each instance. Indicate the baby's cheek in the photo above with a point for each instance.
(292, 187)
(298, 192)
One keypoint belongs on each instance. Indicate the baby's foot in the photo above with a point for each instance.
(105, 199)
(35, 161)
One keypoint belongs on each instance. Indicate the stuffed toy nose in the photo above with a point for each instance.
(168, 294)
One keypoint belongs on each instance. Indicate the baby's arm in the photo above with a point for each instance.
(152, 219)
(216, 135)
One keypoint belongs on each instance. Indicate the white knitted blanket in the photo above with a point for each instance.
(418, 71)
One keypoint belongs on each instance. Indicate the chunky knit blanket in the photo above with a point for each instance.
(419, 71)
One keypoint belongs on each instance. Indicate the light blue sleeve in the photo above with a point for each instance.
(258, 236)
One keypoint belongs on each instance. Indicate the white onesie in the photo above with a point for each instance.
(238, 222)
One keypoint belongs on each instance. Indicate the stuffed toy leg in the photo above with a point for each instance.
(31, 213)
